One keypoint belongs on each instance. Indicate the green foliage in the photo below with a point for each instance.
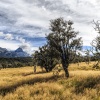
(63, 39)
(87, 56)
(62, 44)
(96, 45)
(45, 58)
(15, 62)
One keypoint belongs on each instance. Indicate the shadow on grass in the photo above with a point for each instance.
(30, 73)
(88, 83)
(26, 74)
(11, 88)
(43, 72)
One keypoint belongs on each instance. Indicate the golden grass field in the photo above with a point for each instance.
(23, 84)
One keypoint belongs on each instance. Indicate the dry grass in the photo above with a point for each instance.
(23, 84)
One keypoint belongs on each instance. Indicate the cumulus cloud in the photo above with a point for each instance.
(8, 44)
(8, 36)
(22, 40)
(28, 48)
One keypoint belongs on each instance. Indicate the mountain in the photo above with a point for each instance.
(12, 54)
(19, 50)
(3, 49)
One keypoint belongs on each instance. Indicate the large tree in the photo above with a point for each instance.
(64, 39)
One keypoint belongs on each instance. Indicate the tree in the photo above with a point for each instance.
(64, 39)
(1, 67)
(96, 43)
(46, 58)
(35, 60)
(87, 56)
(78, 59)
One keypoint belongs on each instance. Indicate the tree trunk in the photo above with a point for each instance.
(34, 68)
(65, 67)
(46, 69)
(66, 72)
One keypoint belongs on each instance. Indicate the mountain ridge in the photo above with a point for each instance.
(13, 54)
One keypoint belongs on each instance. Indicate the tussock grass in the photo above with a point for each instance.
(87, 83)
(82, 66)
(23, 84)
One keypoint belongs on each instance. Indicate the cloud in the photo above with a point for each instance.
(22, 40)
(8, 36)
(1, 34)
(24, 19)
(28, 48)
(8, 44)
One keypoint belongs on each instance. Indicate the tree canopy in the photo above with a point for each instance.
(64, 40)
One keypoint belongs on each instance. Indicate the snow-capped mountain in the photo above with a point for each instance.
(12, 54)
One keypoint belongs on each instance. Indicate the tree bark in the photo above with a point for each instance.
(65, 67)
(66, 72)
(34, 68)
(65, 64)
(46, 69)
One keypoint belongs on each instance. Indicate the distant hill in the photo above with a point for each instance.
(12, 54)
(87, 47)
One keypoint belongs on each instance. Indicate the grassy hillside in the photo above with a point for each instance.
(23, 84)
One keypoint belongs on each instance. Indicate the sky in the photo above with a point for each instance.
(25, 23)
